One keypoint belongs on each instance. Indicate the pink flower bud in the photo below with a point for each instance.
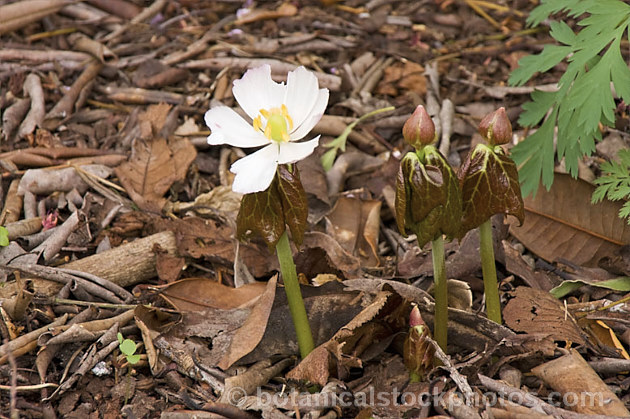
(415, 318)
(419, 129)
(496, 128)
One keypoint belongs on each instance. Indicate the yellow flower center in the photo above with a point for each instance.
(279, 123)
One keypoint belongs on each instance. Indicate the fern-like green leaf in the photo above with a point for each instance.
(584, 99)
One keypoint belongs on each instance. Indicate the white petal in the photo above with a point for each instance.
(292, 152)
(255, 172)
(313, 117)
(256, 90)
(301, 95)
(229, 128)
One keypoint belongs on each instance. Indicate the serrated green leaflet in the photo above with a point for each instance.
(584, 99)
(489, 183)
(428, 201)
(614, 183)
(266, 213)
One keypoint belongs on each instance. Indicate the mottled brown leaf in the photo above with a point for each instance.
(428, 201)
(294, 204)
(261, 215)
(155, 163)
(265, 213)
(489, 182)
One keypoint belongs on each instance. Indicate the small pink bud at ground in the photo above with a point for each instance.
(415, 318)
(496, 128)
(419, 129)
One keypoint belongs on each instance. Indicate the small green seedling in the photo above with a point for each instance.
(339, 143)
(128, 348)
(4, 237)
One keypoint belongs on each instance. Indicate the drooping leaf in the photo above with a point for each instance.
(261, 215)
(294, 204)
(428, 201)
(267, 213)
(489, 182)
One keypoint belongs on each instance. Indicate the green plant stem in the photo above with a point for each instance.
(489, 270)
(294, 296)
(441, 293)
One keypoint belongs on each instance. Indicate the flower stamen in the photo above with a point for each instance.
(278, 124)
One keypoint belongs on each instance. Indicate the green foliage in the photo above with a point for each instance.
(584, 97)
(128, 348)
(614, 184)
(4, 237)
(339, 143)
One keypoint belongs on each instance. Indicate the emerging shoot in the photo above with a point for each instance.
(489, 183)
(428, 204)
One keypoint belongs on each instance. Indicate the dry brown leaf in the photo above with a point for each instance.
(202, 238)
(155, 163)
(343, 350)
(406, 76)
(251, 332)
(537, 312)
(604, 335)
(197, 294)
(562, 223)
(355, 224)
(340, 259)
(515, 264)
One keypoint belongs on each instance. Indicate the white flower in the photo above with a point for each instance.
(281, 115)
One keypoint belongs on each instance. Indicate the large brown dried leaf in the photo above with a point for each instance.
(387, 314)
(155, 163)
(562, 223)
(537, 312)
(251, 332)
(196, 294)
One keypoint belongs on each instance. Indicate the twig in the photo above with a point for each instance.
(33, 387)
(459, 379)
(526, 399)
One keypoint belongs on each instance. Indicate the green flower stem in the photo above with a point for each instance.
(489, 270)
(294, 296)
(440, 292)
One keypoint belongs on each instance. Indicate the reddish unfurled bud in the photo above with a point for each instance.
(496, 128)
(417, 351)
(419, 130)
